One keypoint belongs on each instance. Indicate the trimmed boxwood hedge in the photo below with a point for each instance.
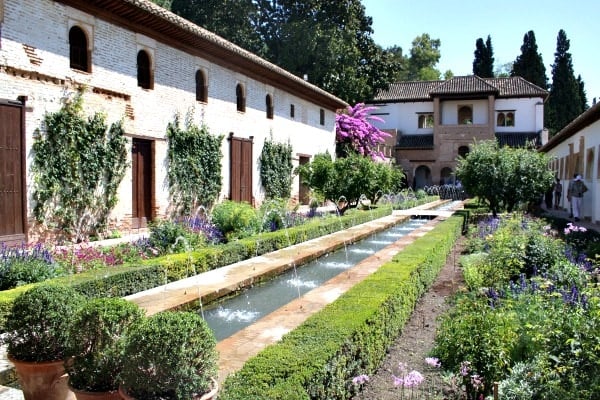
(350, 336)
(128, 279)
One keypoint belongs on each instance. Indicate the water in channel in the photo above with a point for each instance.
(228, 316)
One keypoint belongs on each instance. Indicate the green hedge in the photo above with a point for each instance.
(128, 279)
(350, 336)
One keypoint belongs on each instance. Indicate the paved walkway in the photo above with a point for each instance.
(235, 350)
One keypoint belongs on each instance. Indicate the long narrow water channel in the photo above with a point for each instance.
(228, 316)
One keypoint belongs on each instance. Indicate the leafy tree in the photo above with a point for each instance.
(483, 65)
(504, 177)
(356, 134)
(530, 65)
(338, 53)
(276, 169)
(424, 55)
(564, 103)
(231, 19)
(350, 178)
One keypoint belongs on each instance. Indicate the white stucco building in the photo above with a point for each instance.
(143, 64)
(436, 121)
(576, 150)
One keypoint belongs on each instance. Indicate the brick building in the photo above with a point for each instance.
(434, 122)
(145, 65)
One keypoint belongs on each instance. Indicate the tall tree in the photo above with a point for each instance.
(231, 19)
(483, 64)
(564, 103)
(529, 65)
(424, 55)
(582, 93)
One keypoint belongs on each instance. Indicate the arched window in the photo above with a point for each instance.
(78, 49)
(505, 118)
(269, 104)
(201, 87)
(500, 119)
(240, 98)
(144, 70)
(465, 115)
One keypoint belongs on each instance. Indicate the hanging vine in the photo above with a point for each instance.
(78, 164)
(194, 166)
(276, 169)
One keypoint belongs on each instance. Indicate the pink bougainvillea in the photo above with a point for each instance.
(353, 128)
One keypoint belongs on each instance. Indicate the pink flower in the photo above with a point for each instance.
(360, 379)
(433, 361)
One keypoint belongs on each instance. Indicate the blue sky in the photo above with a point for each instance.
(458, 24)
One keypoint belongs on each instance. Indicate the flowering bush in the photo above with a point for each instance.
(26, 264)
(355, 133)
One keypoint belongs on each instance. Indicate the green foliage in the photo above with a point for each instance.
(171, 237)
(77, 166)
(564, 103)
(93, 343)
(474, 332)
(530, 65)
(276, 169)
(236, 220)
(350, 178)
(169, 355)
(38, 322)
(483, 64)
(24, 271)
(504, 177)
(194, 166)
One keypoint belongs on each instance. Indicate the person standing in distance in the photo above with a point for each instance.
(577, 190)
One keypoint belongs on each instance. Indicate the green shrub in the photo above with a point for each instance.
(24, 271)
(93, 347)
(477, 333)
(38, 322)
(473, 269)
(172, 237)
(236, 220)
(169, 355)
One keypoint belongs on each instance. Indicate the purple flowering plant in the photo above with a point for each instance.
(354, 130)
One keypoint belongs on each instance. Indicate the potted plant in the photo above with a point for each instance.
(170, 355)
(93, 352)
(36, 331)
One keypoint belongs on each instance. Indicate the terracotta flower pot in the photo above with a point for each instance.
(206, 396)
(43, 380)
(83, 395)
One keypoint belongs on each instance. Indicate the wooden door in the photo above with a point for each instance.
(141, 165)
(13, 218)
(240, 161)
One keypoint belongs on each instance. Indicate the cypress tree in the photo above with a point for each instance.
(529, 65)
(564, 103)
(483, 64)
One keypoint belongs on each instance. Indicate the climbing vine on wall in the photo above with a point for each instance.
(194, 166)
(276, 169)
(78, 164)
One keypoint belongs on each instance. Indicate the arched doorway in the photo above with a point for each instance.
(446, 176)
(422, 177)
